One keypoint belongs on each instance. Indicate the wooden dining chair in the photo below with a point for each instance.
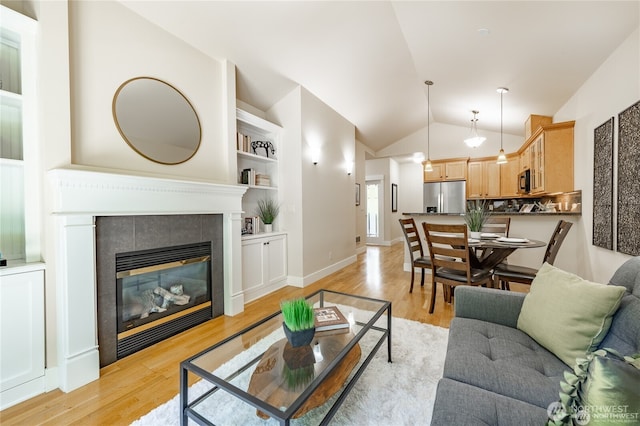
(497, 225)
(504, 273)
(450, 265)
(416, 252)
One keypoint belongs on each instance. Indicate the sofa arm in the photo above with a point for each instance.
(488, 304)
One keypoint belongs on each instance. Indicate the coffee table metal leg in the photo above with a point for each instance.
(184, 398)
(389, 331)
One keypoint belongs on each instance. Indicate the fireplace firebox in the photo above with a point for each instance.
(161, 292)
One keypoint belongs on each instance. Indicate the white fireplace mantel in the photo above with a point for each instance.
(78, 196)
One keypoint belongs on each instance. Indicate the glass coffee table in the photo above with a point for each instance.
(255, 374)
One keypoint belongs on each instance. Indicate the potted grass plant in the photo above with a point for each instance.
(267, 211)
(299, 321)
(475, 217)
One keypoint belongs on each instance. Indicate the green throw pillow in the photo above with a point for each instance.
(603, 390)
(567, 315)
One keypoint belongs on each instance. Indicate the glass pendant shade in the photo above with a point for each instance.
(428, 167)
(474, 140)
(502, 159)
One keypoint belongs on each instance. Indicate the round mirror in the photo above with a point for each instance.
(156, 120)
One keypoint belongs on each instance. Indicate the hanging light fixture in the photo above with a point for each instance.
(427, 165)
(474, 140)
(502, 159)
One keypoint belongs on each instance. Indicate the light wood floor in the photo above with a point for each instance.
(135, 385)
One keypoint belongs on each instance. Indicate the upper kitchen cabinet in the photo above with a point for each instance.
(483, 179)
(550, 152)
(453, 169)
(509, 176)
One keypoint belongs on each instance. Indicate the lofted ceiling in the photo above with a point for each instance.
(368, 60)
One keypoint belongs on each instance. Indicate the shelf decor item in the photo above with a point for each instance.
(475, 217)
(268, 210)
(299, 321)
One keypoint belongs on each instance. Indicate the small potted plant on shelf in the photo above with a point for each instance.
(299, 321)
(268, 210)
(475, 217)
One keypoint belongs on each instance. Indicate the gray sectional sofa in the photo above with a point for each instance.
(495, 374)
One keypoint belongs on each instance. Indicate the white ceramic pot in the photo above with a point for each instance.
(475, 234)
(268, 227)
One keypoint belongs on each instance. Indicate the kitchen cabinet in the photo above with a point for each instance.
(509, 176)
(483, 179)
(264, 264)
(22, 372)
(447, 170)
(551, 158)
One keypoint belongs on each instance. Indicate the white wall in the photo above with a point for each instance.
(327, 203)
(361, 210)
(318, 200)
(611, 89)
(102, 58)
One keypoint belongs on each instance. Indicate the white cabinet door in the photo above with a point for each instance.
(277, 259)
(21, 336)
(253, 253)
(264, 265)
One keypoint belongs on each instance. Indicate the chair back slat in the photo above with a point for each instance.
(558, 236)
(412, 237)
(448, 246)
(497, 225)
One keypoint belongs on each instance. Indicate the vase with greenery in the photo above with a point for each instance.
(299, 321)
(475, 217)
(268, 210)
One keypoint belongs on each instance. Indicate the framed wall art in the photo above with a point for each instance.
(394, 198)
(357, 194)
(628, 236)
(603, 185)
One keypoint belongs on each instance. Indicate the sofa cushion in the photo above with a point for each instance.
(624, 334)
(603, 389)
(503, 360)
(567, 314)
(460, 404)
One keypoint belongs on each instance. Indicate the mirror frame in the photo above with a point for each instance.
(131, 144)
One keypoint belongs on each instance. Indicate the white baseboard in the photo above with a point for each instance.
(315, 276)
(22, 392)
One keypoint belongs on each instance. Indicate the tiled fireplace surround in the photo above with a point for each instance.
(78, 196)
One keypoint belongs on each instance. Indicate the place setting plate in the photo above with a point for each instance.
(512, 240)
(488, 236)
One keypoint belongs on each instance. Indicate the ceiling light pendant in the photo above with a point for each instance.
(474, 140)
(427, 165)
(502, 159)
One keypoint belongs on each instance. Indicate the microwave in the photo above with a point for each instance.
(524, 182)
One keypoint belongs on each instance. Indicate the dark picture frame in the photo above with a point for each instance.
(394, 197)
(357, 194)
(628, 236)
(603, 185)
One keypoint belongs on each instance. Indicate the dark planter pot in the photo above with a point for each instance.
(299, 338)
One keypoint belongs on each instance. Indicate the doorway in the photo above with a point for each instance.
(375, 211)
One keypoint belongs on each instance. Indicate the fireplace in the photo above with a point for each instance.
(79, 199)
(157, 275)
(161, 292)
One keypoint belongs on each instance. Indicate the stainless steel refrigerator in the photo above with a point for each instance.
(445, 197)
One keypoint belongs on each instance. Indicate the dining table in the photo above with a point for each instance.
(486, 253)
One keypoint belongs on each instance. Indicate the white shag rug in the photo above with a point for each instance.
(400, 393)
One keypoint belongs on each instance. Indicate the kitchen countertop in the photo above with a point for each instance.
(500, 214)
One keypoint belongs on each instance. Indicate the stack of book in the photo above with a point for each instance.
(263, 180)
(329, 320)
(251, 225)
(243, 142)
(248, 177)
